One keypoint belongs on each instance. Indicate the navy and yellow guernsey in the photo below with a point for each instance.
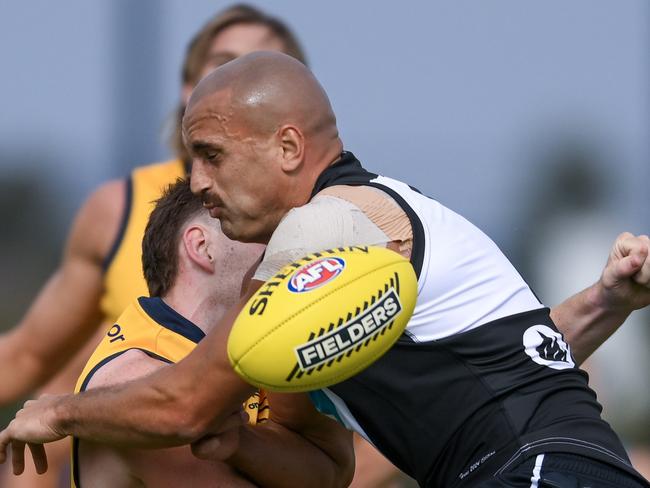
(123, 279)
(153, 327)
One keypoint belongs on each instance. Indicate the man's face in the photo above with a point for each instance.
(235, 170)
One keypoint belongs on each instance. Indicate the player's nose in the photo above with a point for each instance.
(199, 180)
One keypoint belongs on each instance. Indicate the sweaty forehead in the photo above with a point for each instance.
(213, 107)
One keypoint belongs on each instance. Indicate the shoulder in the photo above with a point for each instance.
(309, 221)
(321, 223)
(128, 366)
(107, 200)
(325, 222)
(174, 168)
(98, 220)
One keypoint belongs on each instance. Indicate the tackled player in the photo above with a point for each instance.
(193, 273)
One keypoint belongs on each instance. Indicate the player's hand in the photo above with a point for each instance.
(221, 444)
(625, 282)
(33, 426)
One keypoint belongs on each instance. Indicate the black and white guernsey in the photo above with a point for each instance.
(481, 377)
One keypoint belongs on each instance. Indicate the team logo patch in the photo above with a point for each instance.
(355, 333)
(316, 274)
(547, 347)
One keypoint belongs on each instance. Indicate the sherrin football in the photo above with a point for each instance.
(323, 319)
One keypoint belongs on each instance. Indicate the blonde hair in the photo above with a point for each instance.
(199, 49)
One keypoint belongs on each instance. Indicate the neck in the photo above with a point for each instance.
(199, 308)
(321, 156)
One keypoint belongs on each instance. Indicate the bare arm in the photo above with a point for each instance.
(297, 447)
(66, 311)
(107, 466)
(173, 406)
(316, 451)
(590, 317)
(373, 470)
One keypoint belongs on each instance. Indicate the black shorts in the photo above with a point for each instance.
(559, 470)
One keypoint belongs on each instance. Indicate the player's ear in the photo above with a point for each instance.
(196, 241)
(292, 147)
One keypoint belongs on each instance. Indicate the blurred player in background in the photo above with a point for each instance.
(100, 272)
(194, 273)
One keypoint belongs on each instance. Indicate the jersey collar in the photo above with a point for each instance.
(346, 171)
(170, 319)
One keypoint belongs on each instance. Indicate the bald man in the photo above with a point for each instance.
(482, 388)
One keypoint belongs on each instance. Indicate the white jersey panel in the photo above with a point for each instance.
(465, 280)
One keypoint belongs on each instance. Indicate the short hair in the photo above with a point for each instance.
(199, 49)
(162, 236)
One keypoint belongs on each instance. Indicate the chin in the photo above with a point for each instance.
(233, 233)
(239, 234)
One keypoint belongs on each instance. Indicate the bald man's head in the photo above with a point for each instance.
(260, 130)
(267, 90)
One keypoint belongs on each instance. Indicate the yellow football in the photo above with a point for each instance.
(323, 319)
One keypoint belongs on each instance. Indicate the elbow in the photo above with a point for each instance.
(345, 461)
(342, 470)
(22, 369)
(339, 477)
(344, 474)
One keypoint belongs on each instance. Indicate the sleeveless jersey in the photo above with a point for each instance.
(153, 327)
(123, 280)
(481, 377)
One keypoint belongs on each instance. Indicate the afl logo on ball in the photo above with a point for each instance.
(315, 274)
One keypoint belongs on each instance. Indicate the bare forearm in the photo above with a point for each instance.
(61, 319)
(590, 317)
(123, 415)
(273, 456)
(175, 405)
(20, 371)
(586, 320)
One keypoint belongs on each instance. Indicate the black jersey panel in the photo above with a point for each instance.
(346, 171)
(451, 412)
(426, 412)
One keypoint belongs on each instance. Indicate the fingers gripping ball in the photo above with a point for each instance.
(323, 319)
